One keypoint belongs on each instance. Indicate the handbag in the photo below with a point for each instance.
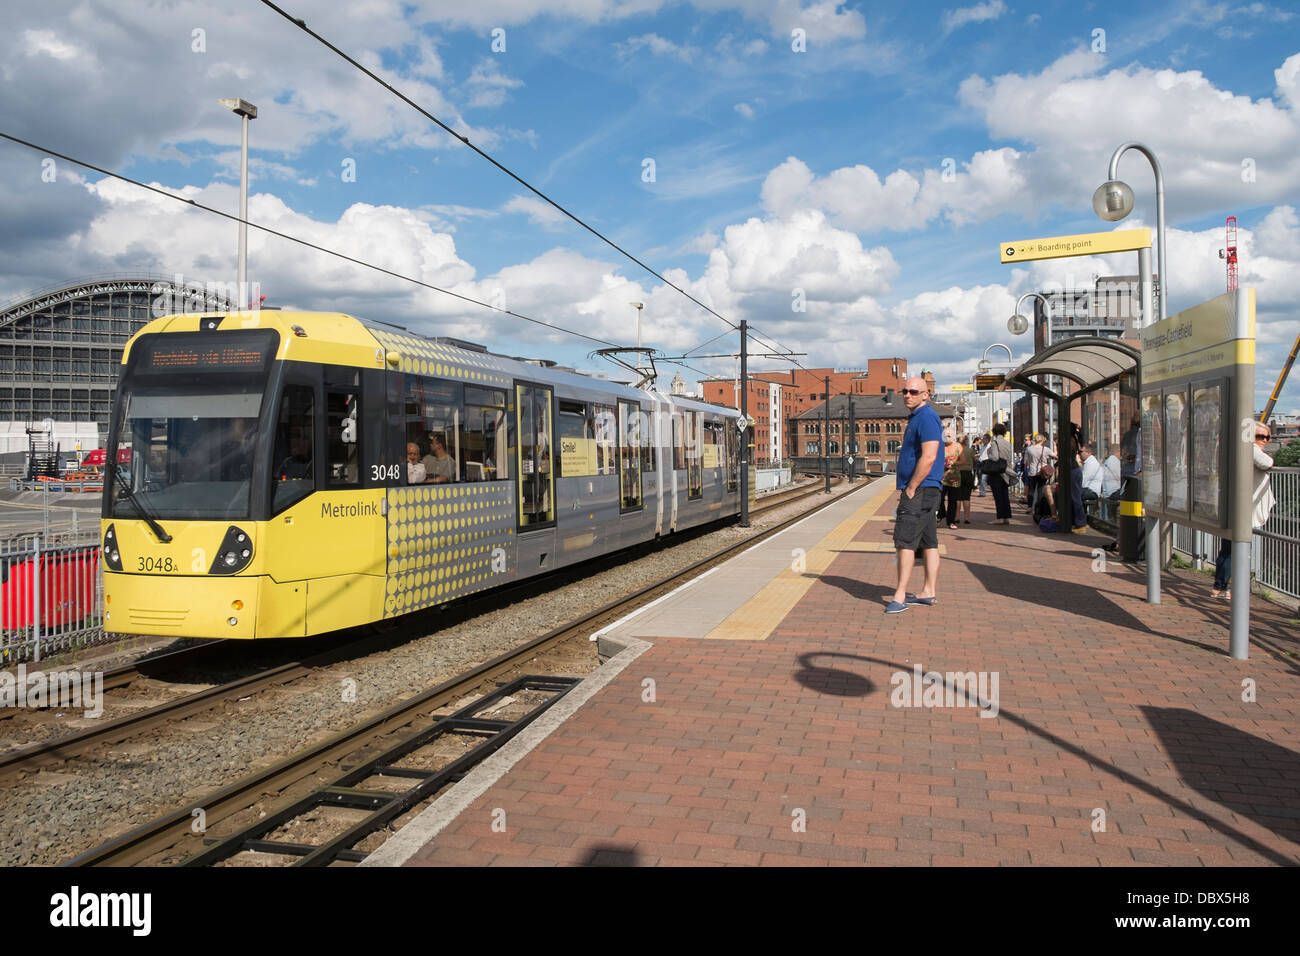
(992, 466)
(1047, 471)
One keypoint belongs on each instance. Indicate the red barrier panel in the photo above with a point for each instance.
(67, 592)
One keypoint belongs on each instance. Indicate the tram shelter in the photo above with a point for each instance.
(1092, 364)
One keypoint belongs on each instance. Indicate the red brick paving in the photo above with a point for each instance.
(788, 751)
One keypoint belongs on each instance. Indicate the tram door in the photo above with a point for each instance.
(535, 427)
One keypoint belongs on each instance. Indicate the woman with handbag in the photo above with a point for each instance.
(996, 466)
(951, 480)
(964, 470)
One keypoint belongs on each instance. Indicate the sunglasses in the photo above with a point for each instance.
(913, 391)
(1260, 436)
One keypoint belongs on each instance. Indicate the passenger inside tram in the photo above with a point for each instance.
(439, 466)
(415, 473)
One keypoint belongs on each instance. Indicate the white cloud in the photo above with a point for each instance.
(1075, 114)
(488, 85)
(538, 212)
(855, 197)
(657, 46)
(1288, 81)
(981, 12)
(745, 110)
(47, 43)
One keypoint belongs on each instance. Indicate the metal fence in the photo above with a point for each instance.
(1275, 550)
(51, 595)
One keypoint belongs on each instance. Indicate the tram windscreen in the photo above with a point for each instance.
(192, 447)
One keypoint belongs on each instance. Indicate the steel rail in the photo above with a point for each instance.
(151, 839)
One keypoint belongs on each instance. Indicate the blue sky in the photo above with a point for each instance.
(871, 155)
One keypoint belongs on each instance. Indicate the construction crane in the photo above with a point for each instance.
(1281, 380)
(1229, 254)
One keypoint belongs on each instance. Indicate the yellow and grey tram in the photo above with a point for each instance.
(283, 474)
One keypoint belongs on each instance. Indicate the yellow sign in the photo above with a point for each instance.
(1085, 244)
(964, 387)
(578, 457)
(710, 456)
(1200, 339)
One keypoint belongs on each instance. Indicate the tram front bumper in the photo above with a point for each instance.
(183, 606)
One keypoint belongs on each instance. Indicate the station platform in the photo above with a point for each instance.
(771, 713)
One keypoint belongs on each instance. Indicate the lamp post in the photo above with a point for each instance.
(248, 111)
(638, 306)
(1112, 201)
(1018, 325)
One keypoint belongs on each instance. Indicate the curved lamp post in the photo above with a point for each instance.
(1018, 325)
(1113, 200)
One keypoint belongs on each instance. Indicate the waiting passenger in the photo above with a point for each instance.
(415, 473)
(439, 467)
(1085, 485)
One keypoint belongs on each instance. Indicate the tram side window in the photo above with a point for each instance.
(629, 431)
(694, 453)
(341, 436)
(574, 430)
(294, 474)
(433, 425)
(485, 436)
(733, 437)
(679, 443)
(647, 439)
(606, 430)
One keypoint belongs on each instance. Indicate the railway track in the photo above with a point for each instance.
(239, 817)
(16, 763)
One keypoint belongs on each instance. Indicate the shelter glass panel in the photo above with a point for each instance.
(1177, 438)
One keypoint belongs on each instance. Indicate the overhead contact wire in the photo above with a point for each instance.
(302, 242)
(302, 25)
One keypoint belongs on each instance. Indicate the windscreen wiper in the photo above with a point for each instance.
(154, 526)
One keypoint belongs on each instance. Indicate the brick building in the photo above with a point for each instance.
(777, 398)
(878, 425)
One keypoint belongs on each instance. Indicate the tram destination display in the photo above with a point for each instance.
(244, 351)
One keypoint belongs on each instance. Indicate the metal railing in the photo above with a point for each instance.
(51, 595)
(1275, 549)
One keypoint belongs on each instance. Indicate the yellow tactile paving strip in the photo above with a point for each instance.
(758, 617)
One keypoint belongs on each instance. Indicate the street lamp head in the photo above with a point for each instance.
(637, 305)
(1017, 324)
(1113, 200)
(239, 107)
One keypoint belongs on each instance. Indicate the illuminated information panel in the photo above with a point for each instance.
(242, 351)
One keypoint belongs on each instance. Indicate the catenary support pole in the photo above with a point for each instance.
(826, 435)
(744, 415)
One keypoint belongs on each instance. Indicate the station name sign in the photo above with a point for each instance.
(1084, 244)
(1199, 340)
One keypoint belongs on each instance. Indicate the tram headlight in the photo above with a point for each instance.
(112, 557)
(235, 552)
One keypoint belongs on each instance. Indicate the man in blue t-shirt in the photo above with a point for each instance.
(920, 474)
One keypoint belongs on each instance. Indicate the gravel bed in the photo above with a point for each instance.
(55, 815)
